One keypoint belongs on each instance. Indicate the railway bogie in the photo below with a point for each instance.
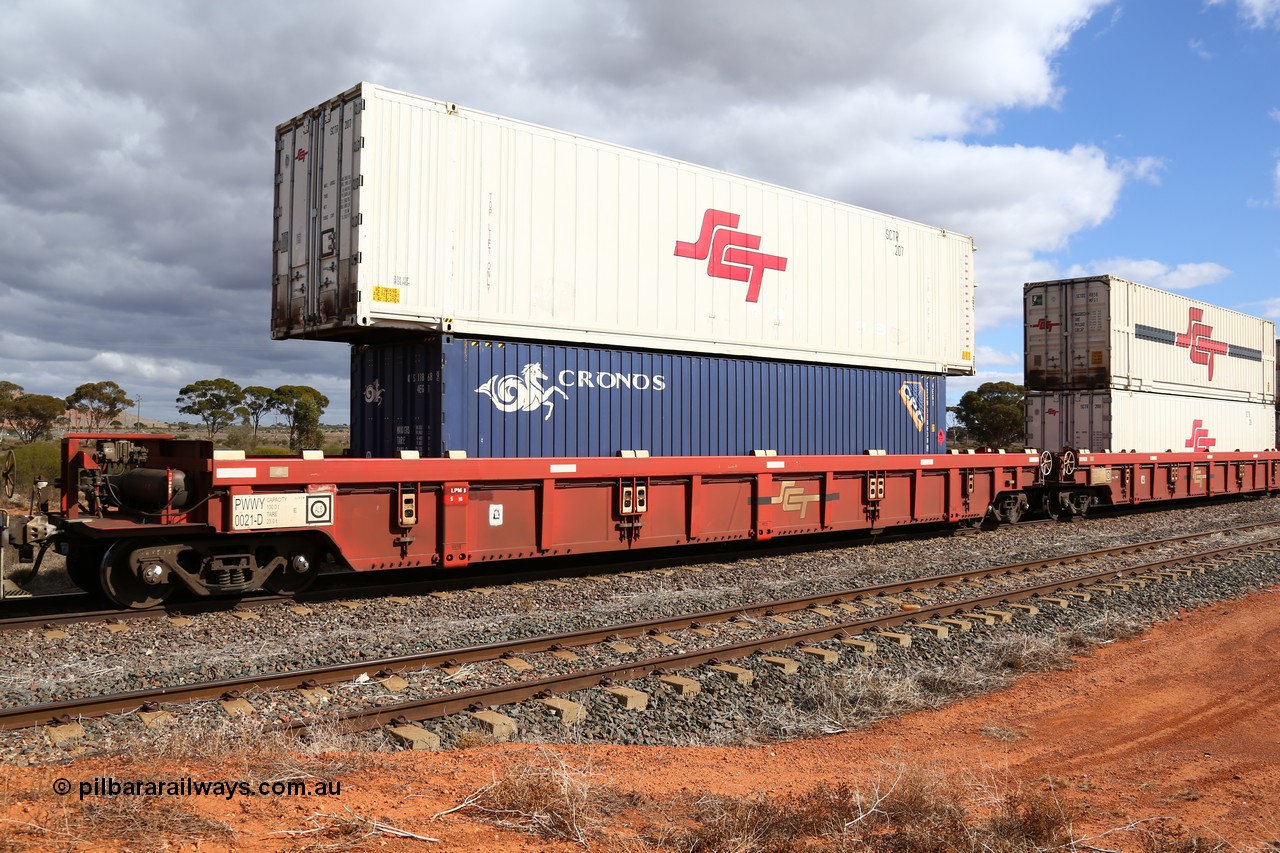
(144, 517)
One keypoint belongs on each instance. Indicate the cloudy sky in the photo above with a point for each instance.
(1067, 136)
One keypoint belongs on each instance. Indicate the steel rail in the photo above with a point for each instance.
(434, 707)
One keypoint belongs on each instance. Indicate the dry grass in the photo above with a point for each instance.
(146, 823)
(251, 749)
(1004, 733)
(909, 811)
(1111, 627)
(245, 749)
(472, 739)
(1166, 836)
(848, 699)
(1033, 653)
(349, 831)
(854, 698)
(142, 823)
(916, 811)
(547, 797)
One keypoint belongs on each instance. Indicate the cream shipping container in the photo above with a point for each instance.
(1105, 332)
(1146, 422)
(400, 213)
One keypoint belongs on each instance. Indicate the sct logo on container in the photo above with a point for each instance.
(730, 252)
(1200, 441)
(1197, 340)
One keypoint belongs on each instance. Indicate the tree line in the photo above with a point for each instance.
(218, 403)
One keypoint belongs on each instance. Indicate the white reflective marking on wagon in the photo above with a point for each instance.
(227, 473)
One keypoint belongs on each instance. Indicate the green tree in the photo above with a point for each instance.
(100, 403)
(213, 401)
(239, 437)
(9, 391)
(306, 418)
(993, 415)
(258, 401)
(288, 397)
(31, 415)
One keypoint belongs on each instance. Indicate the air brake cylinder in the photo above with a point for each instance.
(149, 489)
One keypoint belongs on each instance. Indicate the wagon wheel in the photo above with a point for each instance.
(1013, 511)
(7, 473)
(294, 576)
(125, 586)
(84, 567)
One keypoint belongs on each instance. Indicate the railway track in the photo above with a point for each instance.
(855, 619)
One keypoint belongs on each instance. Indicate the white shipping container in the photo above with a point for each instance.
(1146, 422)
(1106, 332)
(396, 212)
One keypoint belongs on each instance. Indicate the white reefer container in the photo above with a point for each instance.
(1146, 422)
(396, 212)
(1106, 332)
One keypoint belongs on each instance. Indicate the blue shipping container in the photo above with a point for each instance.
(517, 399)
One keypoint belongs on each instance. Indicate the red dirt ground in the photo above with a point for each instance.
(1183, 721)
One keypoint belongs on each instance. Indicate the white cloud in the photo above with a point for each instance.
(137, 177)
(1198, 48)
(1154, 273)
(1144, 169)
(1258, 13)
(958, 385)
(990, 355)
(1269, 308)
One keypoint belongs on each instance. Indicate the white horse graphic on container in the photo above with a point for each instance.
(523, 393)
